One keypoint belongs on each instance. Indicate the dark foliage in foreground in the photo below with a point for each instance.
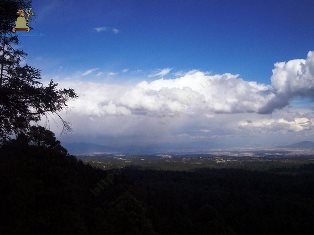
(8, 10)
(45, 192)
(228, 201)
(24, 98)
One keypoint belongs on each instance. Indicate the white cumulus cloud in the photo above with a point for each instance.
(100, 29)
(115, 30)
(161, 72)
(89, 71)
(198, 105)
(291, 79)
(296, 124)
(196, 92)
(107, 29)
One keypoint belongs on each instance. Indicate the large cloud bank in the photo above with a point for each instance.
(291, 79)
(197, 93)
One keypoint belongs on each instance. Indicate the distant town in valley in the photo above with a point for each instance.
(281, 156)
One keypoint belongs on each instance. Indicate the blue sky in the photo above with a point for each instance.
(114, 44)
(241, 37)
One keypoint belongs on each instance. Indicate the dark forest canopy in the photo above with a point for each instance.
(8, 9)
(24, 99)
(46, 193)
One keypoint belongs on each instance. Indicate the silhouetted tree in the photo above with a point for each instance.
(23, 97)
(8, 9)
(39, 136)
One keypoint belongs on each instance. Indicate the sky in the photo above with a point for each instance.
(179, 74)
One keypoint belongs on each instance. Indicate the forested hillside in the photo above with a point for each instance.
(44, 192)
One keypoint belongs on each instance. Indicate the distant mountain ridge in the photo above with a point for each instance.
(300, 145)
(85, 148)
(81, 148)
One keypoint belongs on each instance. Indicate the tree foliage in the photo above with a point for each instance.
(8, 9)
(40, 137)
(24, 99)
(44, 193)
